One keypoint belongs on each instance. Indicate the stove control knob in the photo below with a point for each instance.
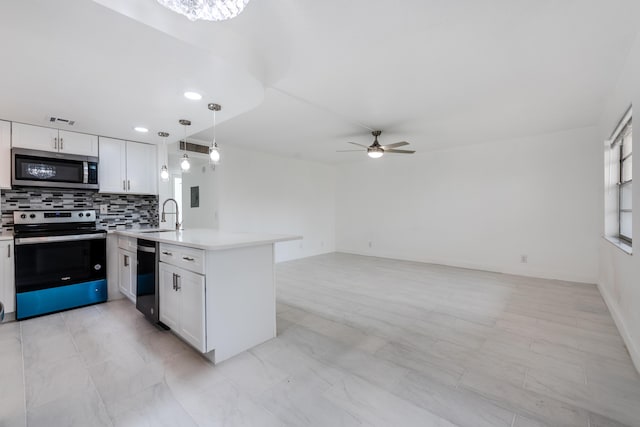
(32, 216)
(23, 216)
(81, 214)
(88, 214)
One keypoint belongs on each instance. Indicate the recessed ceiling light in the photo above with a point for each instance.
(194, 96)
(141, 129)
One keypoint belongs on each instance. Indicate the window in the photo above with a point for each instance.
(622, 154)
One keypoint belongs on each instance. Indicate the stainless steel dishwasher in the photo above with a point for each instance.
(147, 295)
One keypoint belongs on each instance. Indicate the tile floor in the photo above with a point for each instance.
(361, 341)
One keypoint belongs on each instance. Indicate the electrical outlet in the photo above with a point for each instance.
(524, 259)
(104, 209)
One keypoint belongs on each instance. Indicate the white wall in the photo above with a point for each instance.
(619, 279)
(481, 206)
(270, 194)
(203, 176)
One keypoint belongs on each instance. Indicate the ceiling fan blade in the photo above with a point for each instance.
(397, 144)
(355, 143)
(349, 151)
(399, 151)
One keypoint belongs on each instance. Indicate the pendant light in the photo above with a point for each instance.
(164, 170)
(214, 153)
(185, 165)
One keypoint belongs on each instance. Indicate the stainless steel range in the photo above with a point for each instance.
(60, 261)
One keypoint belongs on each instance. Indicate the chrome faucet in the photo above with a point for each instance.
(176, 213)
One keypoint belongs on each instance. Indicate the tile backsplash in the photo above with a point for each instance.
(125, 210)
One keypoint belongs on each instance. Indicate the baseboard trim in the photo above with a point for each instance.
(632, 348)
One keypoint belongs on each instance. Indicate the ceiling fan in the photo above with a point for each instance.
(376, 150)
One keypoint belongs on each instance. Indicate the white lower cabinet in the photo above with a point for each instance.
(127, 269)
(182, 304)
(169, 298)
(7, 289)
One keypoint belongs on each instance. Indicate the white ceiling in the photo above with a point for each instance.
(78, 60)
(300, 77)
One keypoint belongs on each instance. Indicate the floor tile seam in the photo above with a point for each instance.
(392, 390)
(535, 336)
(585, 355)
(24, 375)
(501, 403)
(170, 390)
(371, 306)
(578, 403)
(93, 384)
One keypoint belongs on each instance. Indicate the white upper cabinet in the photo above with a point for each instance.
(78, 143)
(112, 167)
(48, 139)
(141, 168)
(34, 137)
(5, 154)
(127, 167)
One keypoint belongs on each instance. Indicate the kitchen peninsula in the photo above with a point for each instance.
(216, 289)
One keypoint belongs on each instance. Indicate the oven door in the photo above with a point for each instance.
(53, 261)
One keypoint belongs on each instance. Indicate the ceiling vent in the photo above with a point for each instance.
(61, 121)
(194, 148)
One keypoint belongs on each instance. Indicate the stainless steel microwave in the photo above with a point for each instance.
(33, 168)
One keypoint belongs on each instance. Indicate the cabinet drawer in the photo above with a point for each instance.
(188, 258)
(128, 243)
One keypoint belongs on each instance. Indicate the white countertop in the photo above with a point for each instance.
(207, 239)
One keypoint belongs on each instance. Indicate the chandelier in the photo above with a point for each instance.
(208, 10)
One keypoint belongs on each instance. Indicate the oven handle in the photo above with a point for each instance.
(49, 239)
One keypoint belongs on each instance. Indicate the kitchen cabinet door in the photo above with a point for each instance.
(169, 297)
(7, 288)
(191, 288)
(5, 154)
(142, 173)
(34, 137)
(127, 269)
(82, 144)
(112, 174)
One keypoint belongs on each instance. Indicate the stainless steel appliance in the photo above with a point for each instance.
(45, 169)
(60, 261)
(147, 301)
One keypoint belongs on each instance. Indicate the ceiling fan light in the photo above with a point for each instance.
(375, 153)
(211, 10)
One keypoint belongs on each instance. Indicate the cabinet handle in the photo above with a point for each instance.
(188, 258)
(173, 278)
(129, 185)
(8, 251)
(124, 185)
(61, 144)
(126, 260)
(55, 143)
(167, 253)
